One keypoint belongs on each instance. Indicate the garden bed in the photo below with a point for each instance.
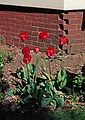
(74, 64)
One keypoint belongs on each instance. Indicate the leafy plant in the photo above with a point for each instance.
(45, 88)
(61, 78)
(77, 82)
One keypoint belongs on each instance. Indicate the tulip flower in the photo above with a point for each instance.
(63, 40)
(23, 36)
(27, 58)
(36, 50)
(43, 35)
(50, 51)
(26, 50)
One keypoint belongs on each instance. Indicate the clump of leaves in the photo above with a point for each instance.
(41, 89)
(78, 82)
(1, 95)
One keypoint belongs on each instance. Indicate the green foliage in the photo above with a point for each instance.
(77, 114)
(78, 82)
(2, 54)
(21, 73)
(1, 62)
(43, 88)
(61, 78)
(1, 65)
(1, 95)
(52, 96)
(10, 92)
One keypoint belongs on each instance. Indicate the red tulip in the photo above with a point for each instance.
(27, 58)
(50, 51)
(36, 50)
(63, 40)
(23, 36)
(43, 35)
(26, 50)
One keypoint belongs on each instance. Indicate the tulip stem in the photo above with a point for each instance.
(62, 64)
(43, 49)
(49, 67)
(27, 65)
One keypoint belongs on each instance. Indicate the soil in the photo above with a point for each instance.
(74, 64)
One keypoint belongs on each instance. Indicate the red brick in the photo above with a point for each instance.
(48, 40)
(51, 26)
(73, 31)
(50, 45)
(34, 33)
(37, 14)
(55, 16)
(79, 27)
(70, 27)
(44, 29)
(75, 36)
(54, 32)
(33, 38)
(69, 16)
(55, 41)
(76, 21)
(38, 43)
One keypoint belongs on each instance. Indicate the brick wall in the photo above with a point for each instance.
(75, 30)
(14, 20)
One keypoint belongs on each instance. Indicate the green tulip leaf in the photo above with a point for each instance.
(60, 101)
(45, 102)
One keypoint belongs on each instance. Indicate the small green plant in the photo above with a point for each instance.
(78, 81)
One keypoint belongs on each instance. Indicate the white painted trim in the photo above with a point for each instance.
(52, 4)
(74, 4)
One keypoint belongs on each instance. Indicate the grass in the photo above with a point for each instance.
(78, 114)
(44, 114)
